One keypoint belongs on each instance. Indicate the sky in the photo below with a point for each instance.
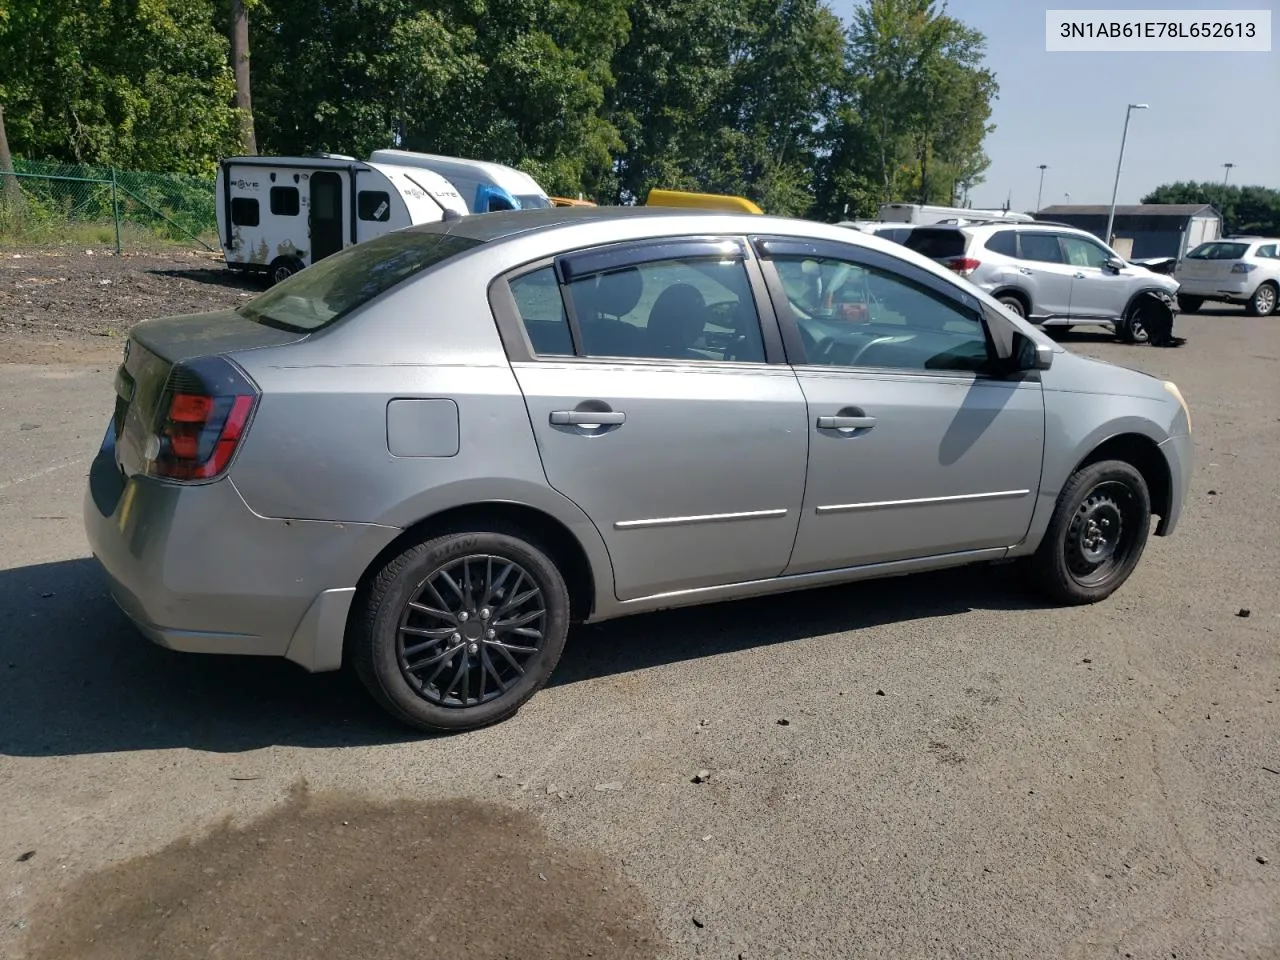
(1067, 110)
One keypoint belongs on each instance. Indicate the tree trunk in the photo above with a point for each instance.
(240, 61)
(12, 192)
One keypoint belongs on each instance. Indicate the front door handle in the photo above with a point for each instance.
(587, 418)
(846, 423)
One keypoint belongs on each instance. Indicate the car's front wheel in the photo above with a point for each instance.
(459, 631)
(1096, 536)
(1263, 301)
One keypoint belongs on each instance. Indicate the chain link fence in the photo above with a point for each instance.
(44, 204)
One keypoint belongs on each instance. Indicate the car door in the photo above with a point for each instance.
(1098, 292)
(1046, 274)
(913, 451)
(658, 411)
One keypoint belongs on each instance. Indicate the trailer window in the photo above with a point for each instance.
(374, 205)
(244, 211)
(284, 201)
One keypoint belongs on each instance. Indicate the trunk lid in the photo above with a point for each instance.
(152, 350)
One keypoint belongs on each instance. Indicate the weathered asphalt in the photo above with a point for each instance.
(963, 773)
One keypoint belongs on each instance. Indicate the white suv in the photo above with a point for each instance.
(1234, 270)
(1054, 275)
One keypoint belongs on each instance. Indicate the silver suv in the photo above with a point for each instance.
(1235, 270)
(1055, 276)
(427, 455)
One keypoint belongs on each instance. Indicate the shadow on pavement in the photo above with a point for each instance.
(218, 277)
(76, 678)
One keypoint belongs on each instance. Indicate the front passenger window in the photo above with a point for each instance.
(1082, 253)
(851, 315)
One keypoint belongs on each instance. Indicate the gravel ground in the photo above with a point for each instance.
(961, 773)
(80, 305)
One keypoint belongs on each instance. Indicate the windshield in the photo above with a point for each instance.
(532, 201)
(1218, 251)
(936, 244)
(325, 292)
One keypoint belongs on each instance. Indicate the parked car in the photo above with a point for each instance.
(1241, 270)
(427, 455)
(897, 232)
(1054, 275)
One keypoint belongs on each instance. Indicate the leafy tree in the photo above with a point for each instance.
(1244, 209)
(129, 83)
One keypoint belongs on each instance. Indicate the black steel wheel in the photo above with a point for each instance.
(1096, 535)
(458, 632)
(1188, 304)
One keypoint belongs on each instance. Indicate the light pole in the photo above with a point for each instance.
(1228, 173)
(1040, 192)
(1111, 217)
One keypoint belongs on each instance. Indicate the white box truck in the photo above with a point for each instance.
(277, 215)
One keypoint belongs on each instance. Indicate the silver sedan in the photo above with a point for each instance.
(429, 454)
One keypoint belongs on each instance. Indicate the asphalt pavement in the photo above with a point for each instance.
(935, 766)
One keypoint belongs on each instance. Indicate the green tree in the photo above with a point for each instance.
(917, 100)
(129, 83)
(1244, 209)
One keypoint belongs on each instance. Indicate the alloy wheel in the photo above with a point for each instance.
(470, 630)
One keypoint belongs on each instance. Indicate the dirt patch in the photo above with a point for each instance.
(345, 877)
(63, 299)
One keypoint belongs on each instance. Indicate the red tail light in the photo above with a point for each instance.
(202, 418)
(964, 265)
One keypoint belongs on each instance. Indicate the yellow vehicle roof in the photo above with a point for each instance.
(711, 201)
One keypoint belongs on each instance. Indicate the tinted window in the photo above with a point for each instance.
(1269, 251)
(938, 244)
(1084, 253)
(1218, 251)
(1041, 247)
(679, 309)
(284, 201)
(856, 316)
(327, 291)
(1003, 241)
(373, 205)
(244, 211)
(541, 307)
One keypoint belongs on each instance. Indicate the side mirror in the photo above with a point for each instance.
(1032, 355)
(1114, 264)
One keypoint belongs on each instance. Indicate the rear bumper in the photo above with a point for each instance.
(1177, 454)
(198, 571)
(1217, 289)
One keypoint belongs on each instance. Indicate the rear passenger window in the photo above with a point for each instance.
(537, 297)
(1041, 247)
(373, 205)
(284, 201)
(680, 309)
(1003, 241)
(1268, 251)
(244, 211)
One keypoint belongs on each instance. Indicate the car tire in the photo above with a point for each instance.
(1057, 331)
(1096, 535)
(1014, 303)
(282, 268)
(1264, 300)
(1189, 304)
(1133, 329)
(429, 639)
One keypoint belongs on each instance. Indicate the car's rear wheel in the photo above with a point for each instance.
(1263, 301)
(458, 632)
(1057, 331)
(282, 268)
(1096, 536)
(1189, 304)
(1013, 303)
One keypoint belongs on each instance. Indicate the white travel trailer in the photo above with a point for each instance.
(918, 213)
(484, 186)
(277, 215)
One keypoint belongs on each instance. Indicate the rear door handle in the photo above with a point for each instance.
(587, 418)
(1025, 270)
(1078, 276)
(846, 423)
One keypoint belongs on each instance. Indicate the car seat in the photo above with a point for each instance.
(599, 302)
(676, 322)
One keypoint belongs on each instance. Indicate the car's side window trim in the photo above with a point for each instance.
(768, 246)
(602, 258)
